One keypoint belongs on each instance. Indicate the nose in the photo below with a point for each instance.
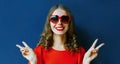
(59, 22)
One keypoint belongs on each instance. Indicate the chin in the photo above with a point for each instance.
(59, 33)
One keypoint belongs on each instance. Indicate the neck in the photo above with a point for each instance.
(59, 41)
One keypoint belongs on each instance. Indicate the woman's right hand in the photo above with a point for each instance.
(27, 53)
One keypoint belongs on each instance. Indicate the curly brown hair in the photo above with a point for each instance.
(46, 39)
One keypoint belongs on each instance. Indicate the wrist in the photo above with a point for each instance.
(86, 61)
(33, 61)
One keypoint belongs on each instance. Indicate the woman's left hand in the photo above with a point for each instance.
(92, 52)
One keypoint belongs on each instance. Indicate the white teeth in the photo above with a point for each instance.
(59, 28)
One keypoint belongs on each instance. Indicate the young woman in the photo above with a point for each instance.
(58, 43)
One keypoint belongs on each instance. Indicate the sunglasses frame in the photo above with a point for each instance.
(60, 18)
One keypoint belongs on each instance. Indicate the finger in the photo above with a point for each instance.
(93, 56)
(19, 46)
(94, 51)
(93, 45)
(97, 48)
(24, 51)
(25, 44)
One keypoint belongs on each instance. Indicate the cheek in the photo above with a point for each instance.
(66, 27)
(52, 26)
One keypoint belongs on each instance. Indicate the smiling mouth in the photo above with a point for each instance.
(59, 28)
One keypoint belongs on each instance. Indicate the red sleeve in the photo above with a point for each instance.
(38, 53)
(81, 55)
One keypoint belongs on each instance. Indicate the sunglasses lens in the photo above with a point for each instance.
(65, 19)
(54, 19)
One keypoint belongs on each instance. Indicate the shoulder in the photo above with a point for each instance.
(38, 48)
(81, 50)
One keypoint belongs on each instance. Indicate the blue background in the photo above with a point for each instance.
(23, 20)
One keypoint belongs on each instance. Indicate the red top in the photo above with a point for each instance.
(53, 56)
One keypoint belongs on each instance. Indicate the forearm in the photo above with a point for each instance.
(86, 62)
(32, 63)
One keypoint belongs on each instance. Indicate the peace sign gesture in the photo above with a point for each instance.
(27, 52)
(92, 52)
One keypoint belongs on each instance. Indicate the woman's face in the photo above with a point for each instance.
(59, 21)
